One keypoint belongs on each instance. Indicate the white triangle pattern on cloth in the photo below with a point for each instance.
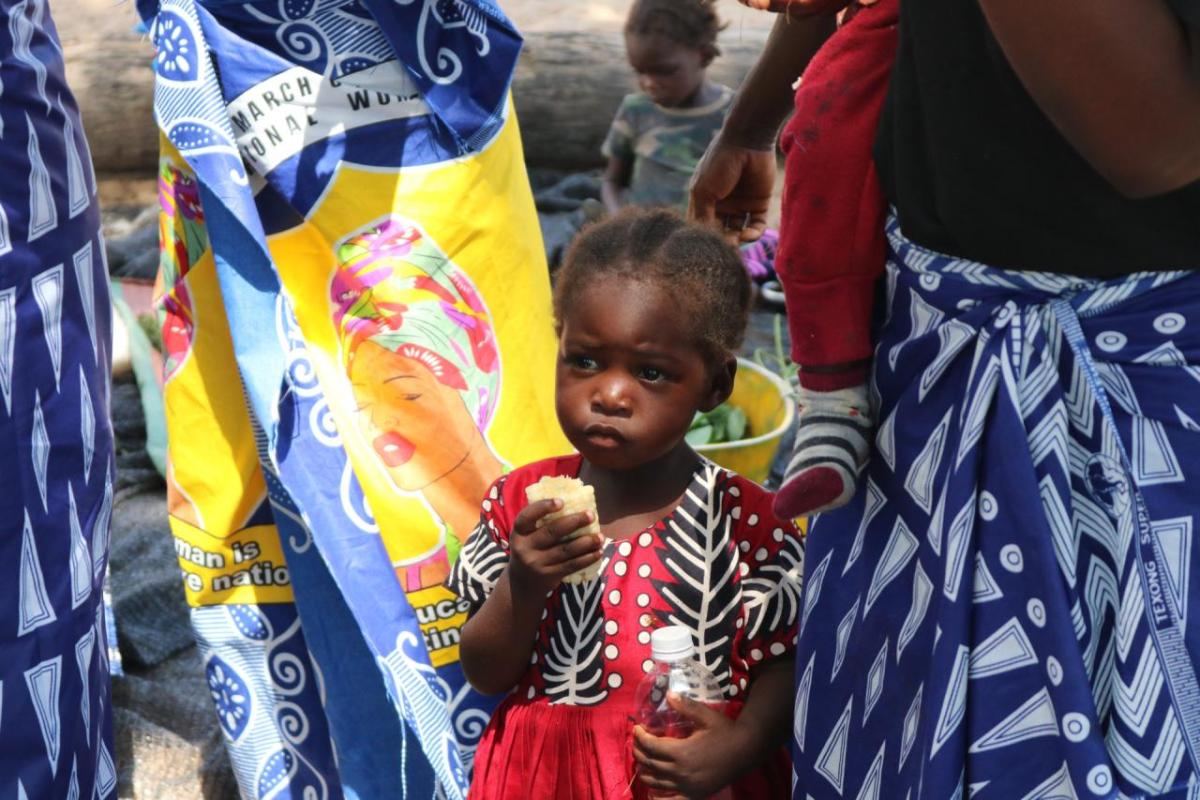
(39, 448)
(1034, 718)
(874, 502)
(8, 341)
(36, 609)
(803, 690)
(885, 441)
(921, 594)
(48, 291)
(87, 425)
(908, 733)
(73, 789)
(986, 589)
(83, 660)
(44, 682)
(875, 677)
(1154, 460)
(43, 216)
(100, 530)
(85, 279)
(844, 629)
(1057, 787)
(831, 762)
(77, 190)
(6, 245)
(106, 773)
(954, 703)
(812, 591)
(921, 478)
(1008, 648)
(873, 783)
(900, 549)
(81, 559)
(1175, 536)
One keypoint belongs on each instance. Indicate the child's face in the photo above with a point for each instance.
(629, 377)
(668, 72)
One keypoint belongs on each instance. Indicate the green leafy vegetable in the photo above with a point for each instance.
(725, 423)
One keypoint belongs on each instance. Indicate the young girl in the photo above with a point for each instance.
(650, 311)
(660, 132)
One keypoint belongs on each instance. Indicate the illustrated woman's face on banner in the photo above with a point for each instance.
(418, 426)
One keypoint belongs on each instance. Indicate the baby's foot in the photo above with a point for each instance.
(832, 443)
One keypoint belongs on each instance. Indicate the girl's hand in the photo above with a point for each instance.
(700, 765)
(540, 557)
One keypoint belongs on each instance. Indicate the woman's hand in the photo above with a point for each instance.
(799, 8)
(731, 189)
(542, 555)
(716, 753)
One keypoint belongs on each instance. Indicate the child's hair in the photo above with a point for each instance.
(691, 23)
(655, 245)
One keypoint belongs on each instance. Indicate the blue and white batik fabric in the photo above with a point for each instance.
(56, 456)
(1004, 611)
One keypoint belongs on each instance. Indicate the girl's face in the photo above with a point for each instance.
(668, 72)
(629, 378)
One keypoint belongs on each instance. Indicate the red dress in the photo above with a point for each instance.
(720, 563)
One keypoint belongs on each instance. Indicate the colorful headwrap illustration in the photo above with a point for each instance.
(420, 352)
(183, 240)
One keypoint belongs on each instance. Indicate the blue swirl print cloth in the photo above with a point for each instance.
(332, 696)
(1004, 611)
(56, 449)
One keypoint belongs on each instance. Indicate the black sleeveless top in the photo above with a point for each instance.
(976, 170)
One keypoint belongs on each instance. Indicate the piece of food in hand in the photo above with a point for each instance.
(576, 496)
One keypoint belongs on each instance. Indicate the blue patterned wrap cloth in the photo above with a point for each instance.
(56, 448)
(1004, 611)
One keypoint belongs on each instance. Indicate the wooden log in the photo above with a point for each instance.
(110, 71)
(567, 86)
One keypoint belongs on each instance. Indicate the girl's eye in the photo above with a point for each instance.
(412, 397)
(582, 362)
(651, 374)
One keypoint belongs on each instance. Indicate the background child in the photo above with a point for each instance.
(660, 132)
(650, 311)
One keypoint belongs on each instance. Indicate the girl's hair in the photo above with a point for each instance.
(701, 270)
(692, 23)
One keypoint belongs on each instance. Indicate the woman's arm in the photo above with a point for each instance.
(720, 750)
(1120, 79)
(498, 638)
(737, 174)
(615, 182)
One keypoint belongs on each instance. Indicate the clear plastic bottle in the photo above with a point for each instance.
(676, 670)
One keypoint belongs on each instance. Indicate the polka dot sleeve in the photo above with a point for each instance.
(772, 566)
(485, 555)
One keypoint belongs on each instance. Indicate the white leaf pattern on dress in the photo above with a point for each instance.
(478, 566)
(574, 665)
(697, 553)
(774, 591)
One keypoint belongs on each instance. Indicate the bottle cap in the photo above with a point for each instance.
(671, 643)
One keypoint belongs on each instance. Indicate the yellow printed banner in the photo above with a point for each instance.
(428, 324)
(247, 566)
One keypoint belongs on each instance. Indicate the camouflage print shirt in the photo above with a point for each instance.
(664, 144)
